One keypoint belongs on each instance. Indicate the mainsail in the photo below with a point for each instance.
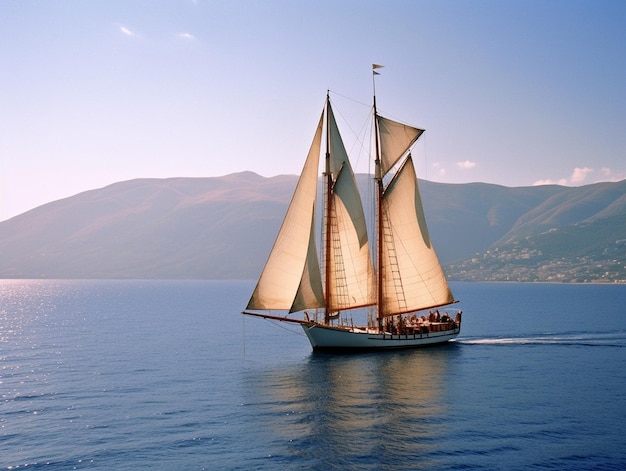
(412, 278)
(410, 275)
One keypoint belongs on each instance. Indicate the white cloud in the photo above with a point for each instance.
(562, 181)
(187, 36)
(466, 164)
(580, 174)
(609, 175)
(127, 31)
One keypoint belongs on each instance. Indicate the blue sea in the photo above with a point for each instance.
(169, 375)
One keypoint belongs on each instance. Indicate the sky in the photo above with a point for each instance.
(515, 93)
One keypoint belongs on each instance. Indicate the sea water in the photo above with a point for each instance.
(169, 375)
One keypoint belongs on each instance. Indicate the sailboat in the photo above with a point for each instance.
(396, 285)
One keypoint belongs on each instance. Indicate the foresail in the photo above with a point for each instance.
(395, 139)
(352, 282)
(291, 277)
(351, 274)
(412, 277)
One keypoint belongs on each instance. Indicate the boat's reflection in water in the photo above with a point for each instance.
(367, 410)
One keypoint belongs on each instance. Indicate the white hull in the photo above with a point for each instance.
(332, 338)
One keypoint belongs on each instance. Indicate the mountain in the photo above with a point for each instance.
(223, 228)
(149, 228)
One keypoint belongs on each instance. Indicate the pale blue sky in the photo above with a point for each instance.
(509, 92)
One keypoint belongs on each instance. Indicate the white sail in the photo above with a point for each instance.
(310, 291)
(412, 278)
(351, 281)
(395, 139)
(291, 277)
(351, 278)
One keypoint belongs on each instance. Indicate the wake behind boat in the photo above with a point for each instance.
(401, 293)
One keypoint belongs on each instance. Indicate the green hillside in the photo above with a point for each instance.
(584, 252)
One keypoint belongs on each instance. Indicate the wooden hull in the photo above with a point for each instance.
(332, 338)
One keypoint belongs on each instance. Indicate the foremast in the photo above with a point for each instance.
(328, 201)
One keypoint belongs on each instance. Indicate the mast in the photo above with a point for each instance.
(327, 215)
(378, 178)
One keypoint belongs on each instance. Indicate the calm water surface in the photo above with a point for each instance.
(168, 375)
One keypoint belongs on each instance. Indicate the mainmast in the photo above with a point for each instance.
(378, 178)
